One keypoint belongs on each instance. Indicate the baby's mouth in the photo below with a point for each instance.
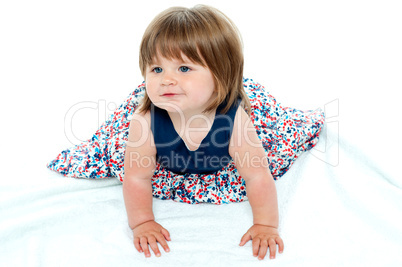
(169, 94)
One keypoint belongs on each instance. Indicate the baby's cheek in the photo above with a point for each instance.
(151, 89)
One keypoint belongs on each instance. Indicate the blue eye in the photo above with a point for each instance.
(157, 70)
(184, 69)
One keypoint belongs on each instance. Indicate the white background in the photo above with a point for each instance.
(343, 56)
(57, 54)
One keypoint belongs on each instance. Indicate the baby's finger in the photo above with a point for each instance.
(245, 238)
(144, 246)
(137, 244)
(256, 246)
(272, 248)
(281, 246)
(166, 234)
(162, 241)
(154, 246)
(263, 249)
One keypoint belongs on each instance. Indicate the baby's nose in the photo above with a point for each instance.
(168, 78)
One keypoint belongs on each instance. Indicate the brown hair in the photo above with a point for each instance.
(207, 37)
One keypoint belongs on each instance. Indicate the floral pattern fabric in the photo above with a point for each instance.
(285, 133)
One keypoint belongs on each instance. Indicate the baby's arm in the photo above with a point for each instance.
(139, 166)
(251, 162)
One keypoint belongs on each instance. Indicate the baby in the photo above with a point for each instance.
(194, 124)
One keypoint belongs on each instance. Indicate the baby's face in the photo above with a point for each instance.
(180, 85)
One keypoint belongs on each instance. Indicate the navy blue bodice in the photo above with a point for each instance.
(212, 154)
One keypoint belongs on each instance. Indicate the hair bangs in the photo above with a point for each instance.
(172, 37)
(175, 46)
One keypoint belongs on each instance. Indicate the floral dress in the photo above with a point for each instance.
(285, 133)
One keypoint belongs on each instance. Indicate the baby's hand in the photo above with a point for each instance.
(263, 237)
(150, 232)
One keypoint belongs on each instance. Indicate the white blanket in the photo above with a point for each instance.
(340, 204)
